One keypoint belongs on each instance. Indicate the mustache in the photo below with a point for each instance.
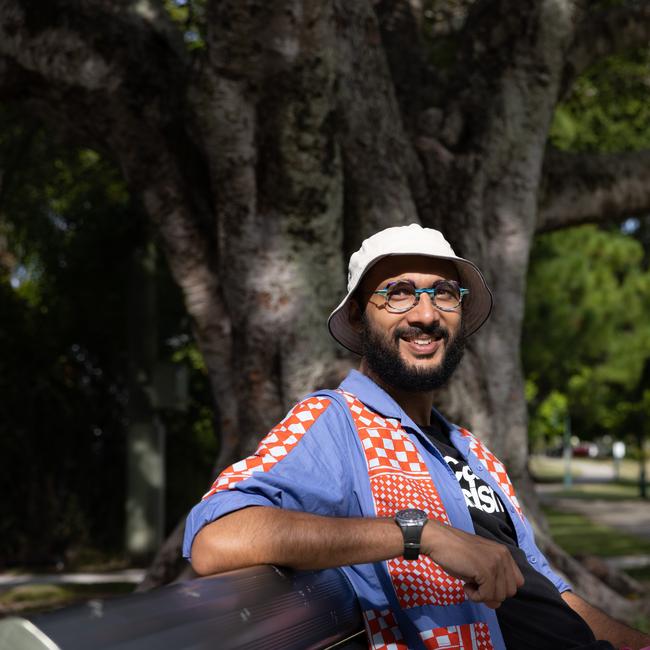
(435, 330)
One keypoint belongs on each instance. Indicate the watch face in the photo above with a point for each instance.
(411, 515)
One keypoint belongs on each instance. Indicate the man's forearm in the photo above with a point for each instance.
(604, 626)
(263, 535)
(260, 535)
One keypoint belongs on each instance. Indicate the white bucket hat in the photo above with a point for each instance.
(410, 240)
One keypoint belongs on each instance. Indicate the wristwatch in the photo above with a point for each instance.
(411, 521)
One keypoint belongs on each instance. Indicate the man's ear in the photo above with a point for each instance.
(355, 316)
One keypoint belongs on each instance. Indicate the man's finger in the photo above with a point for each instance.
(474, 594)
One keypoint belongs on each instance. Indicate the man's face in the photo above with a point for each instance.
(417, 350)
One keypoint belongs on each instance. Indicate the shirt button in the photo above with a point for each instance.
(532, 559)
(479, 468)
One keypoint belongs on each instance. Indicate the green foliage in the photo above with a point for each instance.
(72, 231)
(550, 418)
(608, 108)
(586, 340)
(441, 31)
(189, 16)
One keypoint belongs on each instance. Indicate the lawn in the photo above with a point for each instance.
(36, 598)
(579, 536)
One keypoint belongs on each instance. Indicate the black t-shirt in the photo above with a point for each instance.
(536, 618)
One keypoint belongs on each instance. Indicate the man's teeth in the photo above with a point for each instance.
(422, 341)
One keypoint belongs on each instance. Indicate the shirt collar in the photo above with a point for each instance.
(377, 399)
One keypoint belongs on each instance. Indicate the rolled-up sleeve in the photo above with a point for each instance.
(302, 464)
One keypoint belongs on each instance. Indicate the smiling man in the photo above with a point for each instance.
(420, 516)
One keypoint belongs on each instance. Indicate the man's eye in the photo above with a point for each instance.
(401, 291)
(447, 292)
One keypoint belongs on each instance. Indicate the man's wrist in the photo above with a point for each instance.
(411, 522)
(431, 537)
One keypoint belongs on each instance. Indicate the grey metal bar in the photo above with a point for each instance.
(261, 607)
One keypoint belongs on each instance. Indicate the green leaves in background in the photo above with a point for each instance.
(586, 336)
(608, 109)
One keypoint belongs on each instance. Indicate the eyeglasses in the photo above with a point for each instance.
(401, 296)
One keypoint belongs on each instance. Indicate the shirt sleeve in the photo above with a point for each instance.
(302, 464)
(543, 566)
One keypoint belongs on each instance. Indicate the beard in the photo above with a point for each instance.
(384, 360)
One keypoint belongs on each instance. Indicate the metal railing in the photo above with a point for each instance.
(261, 607)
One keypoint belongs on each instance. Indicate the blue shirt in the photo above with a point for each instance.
(322, 470)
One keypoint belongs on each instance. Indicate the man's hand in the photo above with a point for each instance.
(490, 573)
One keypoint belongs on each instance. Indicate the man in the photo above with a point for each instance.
(418, 513)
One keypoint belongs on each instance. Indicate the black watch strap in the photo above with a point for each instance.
(411, 523)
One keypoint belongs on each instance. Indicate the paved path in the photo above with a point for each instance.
(630, 516)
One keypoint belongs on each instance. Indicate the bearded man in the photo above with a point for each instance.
(416, 511)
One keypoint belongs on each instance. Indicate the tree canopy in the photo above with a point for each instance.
(585, 336)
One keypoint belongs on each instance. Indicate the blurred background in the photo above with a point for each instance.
(181, 184)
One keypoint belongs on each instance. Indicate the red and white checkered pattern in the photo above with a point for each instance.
(382, 630)
(473, 636)
(275, 446)
(494, 466)
(386, 445)
(399, 479)
(423, 582)
(392, 492)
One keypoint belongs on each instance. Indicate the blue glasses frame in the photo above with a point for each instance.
(431, 292)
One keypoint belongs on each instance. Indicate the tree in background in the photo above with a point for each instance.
(68, 234)
(586, 340)
(266, 139)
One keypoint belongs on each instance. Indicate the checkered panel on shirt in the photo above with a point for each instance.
(382, 630)
(473, 636)
(275, 446)
(423, 582)
(386, 446)
(399, 479)
(494, 466)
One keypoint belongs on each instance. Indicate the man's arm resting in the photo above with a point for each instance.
(262, 535)
(604, 626)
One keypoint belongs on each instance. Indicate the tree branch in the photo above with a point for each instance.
(584, 188)
(606, 32)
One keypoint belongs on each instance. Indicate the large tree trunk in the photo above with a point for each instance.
(298, 129)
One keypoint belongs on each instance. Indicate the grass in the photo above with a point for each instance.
(33, 598)
(577, 535)
(641, 574)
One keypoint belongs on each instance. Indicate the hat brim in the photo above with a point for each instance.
(477, 305)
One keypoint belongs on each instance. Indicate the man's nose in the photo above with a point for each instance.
(425, 311)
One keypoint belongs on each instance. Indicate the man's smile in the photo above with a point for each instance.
(420, 342)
